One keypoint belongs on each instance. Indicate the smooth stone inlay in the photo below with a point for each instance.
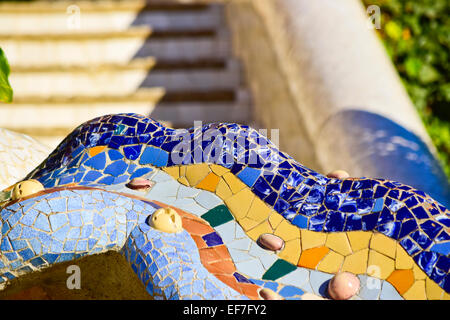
(140, 184)
(270, 242)
(343, 286)
(267, 294)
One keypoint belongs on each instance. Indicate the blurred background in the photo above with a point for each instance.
(296, 66)
(416, 35)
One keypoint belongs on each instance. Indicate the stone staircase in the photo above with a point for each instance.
(73, 61)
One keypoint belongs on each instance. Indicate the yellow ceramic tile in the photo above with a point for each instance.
(219, 170)
(446, 296)
(223, 191)
(359, 239)
(379, 265)
(184, 181)
(402, 259)
(259, 230)
(357, 262)
(291, 251)
(275, 219)
(240, 203)
(311, 239)
(383, 244)
(338, 242)
(287, 231)
(331, 263)
(433, 291)
(209, 183)
(418, 273)
(183, 171)
(248, 224)
(196, 173)
(235, 184)
(259, 210)
(416, 292)
(173, 171)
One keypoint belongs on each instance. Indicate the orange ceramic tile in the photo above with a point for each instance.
(402, 280)
(222, 267)
(194, 227)
(209, 183)
(96, 150)
(311, 257)
(250, 290)
(222, 251)
(199, 241)
(230, 281)
(208, 255)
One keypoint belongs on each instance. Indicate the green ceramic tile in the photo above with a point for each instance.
(218, 215)
(279, 269)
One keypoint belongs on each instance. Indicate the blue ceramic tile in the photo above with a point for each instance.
(116, 168)
(431, 228)
(249, 176)
(212, 239)
(420, 213)
(97, 162)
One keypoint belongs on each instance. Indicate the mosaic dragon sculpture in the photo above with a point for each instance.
(214, 193)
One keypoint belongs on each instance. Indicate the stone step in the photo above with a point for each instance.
(74, 17)
(42, 6)
(63, 111)
(50, 120)
(121, 80)
(113, 47)
(183, 114)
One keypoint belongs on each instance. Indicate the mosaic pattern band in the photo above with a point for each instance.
(248, 187)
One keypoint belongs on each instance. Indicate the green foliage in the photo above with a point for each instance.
(416, 35)
(6, 92)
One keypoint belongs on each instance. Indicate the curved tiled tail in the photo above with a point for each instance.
(253, 168)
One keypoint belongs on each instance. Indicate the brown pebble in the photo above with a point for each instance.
(267, 294)
(270, 242)
(343, 286)
(140, 184)
(338, 174)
